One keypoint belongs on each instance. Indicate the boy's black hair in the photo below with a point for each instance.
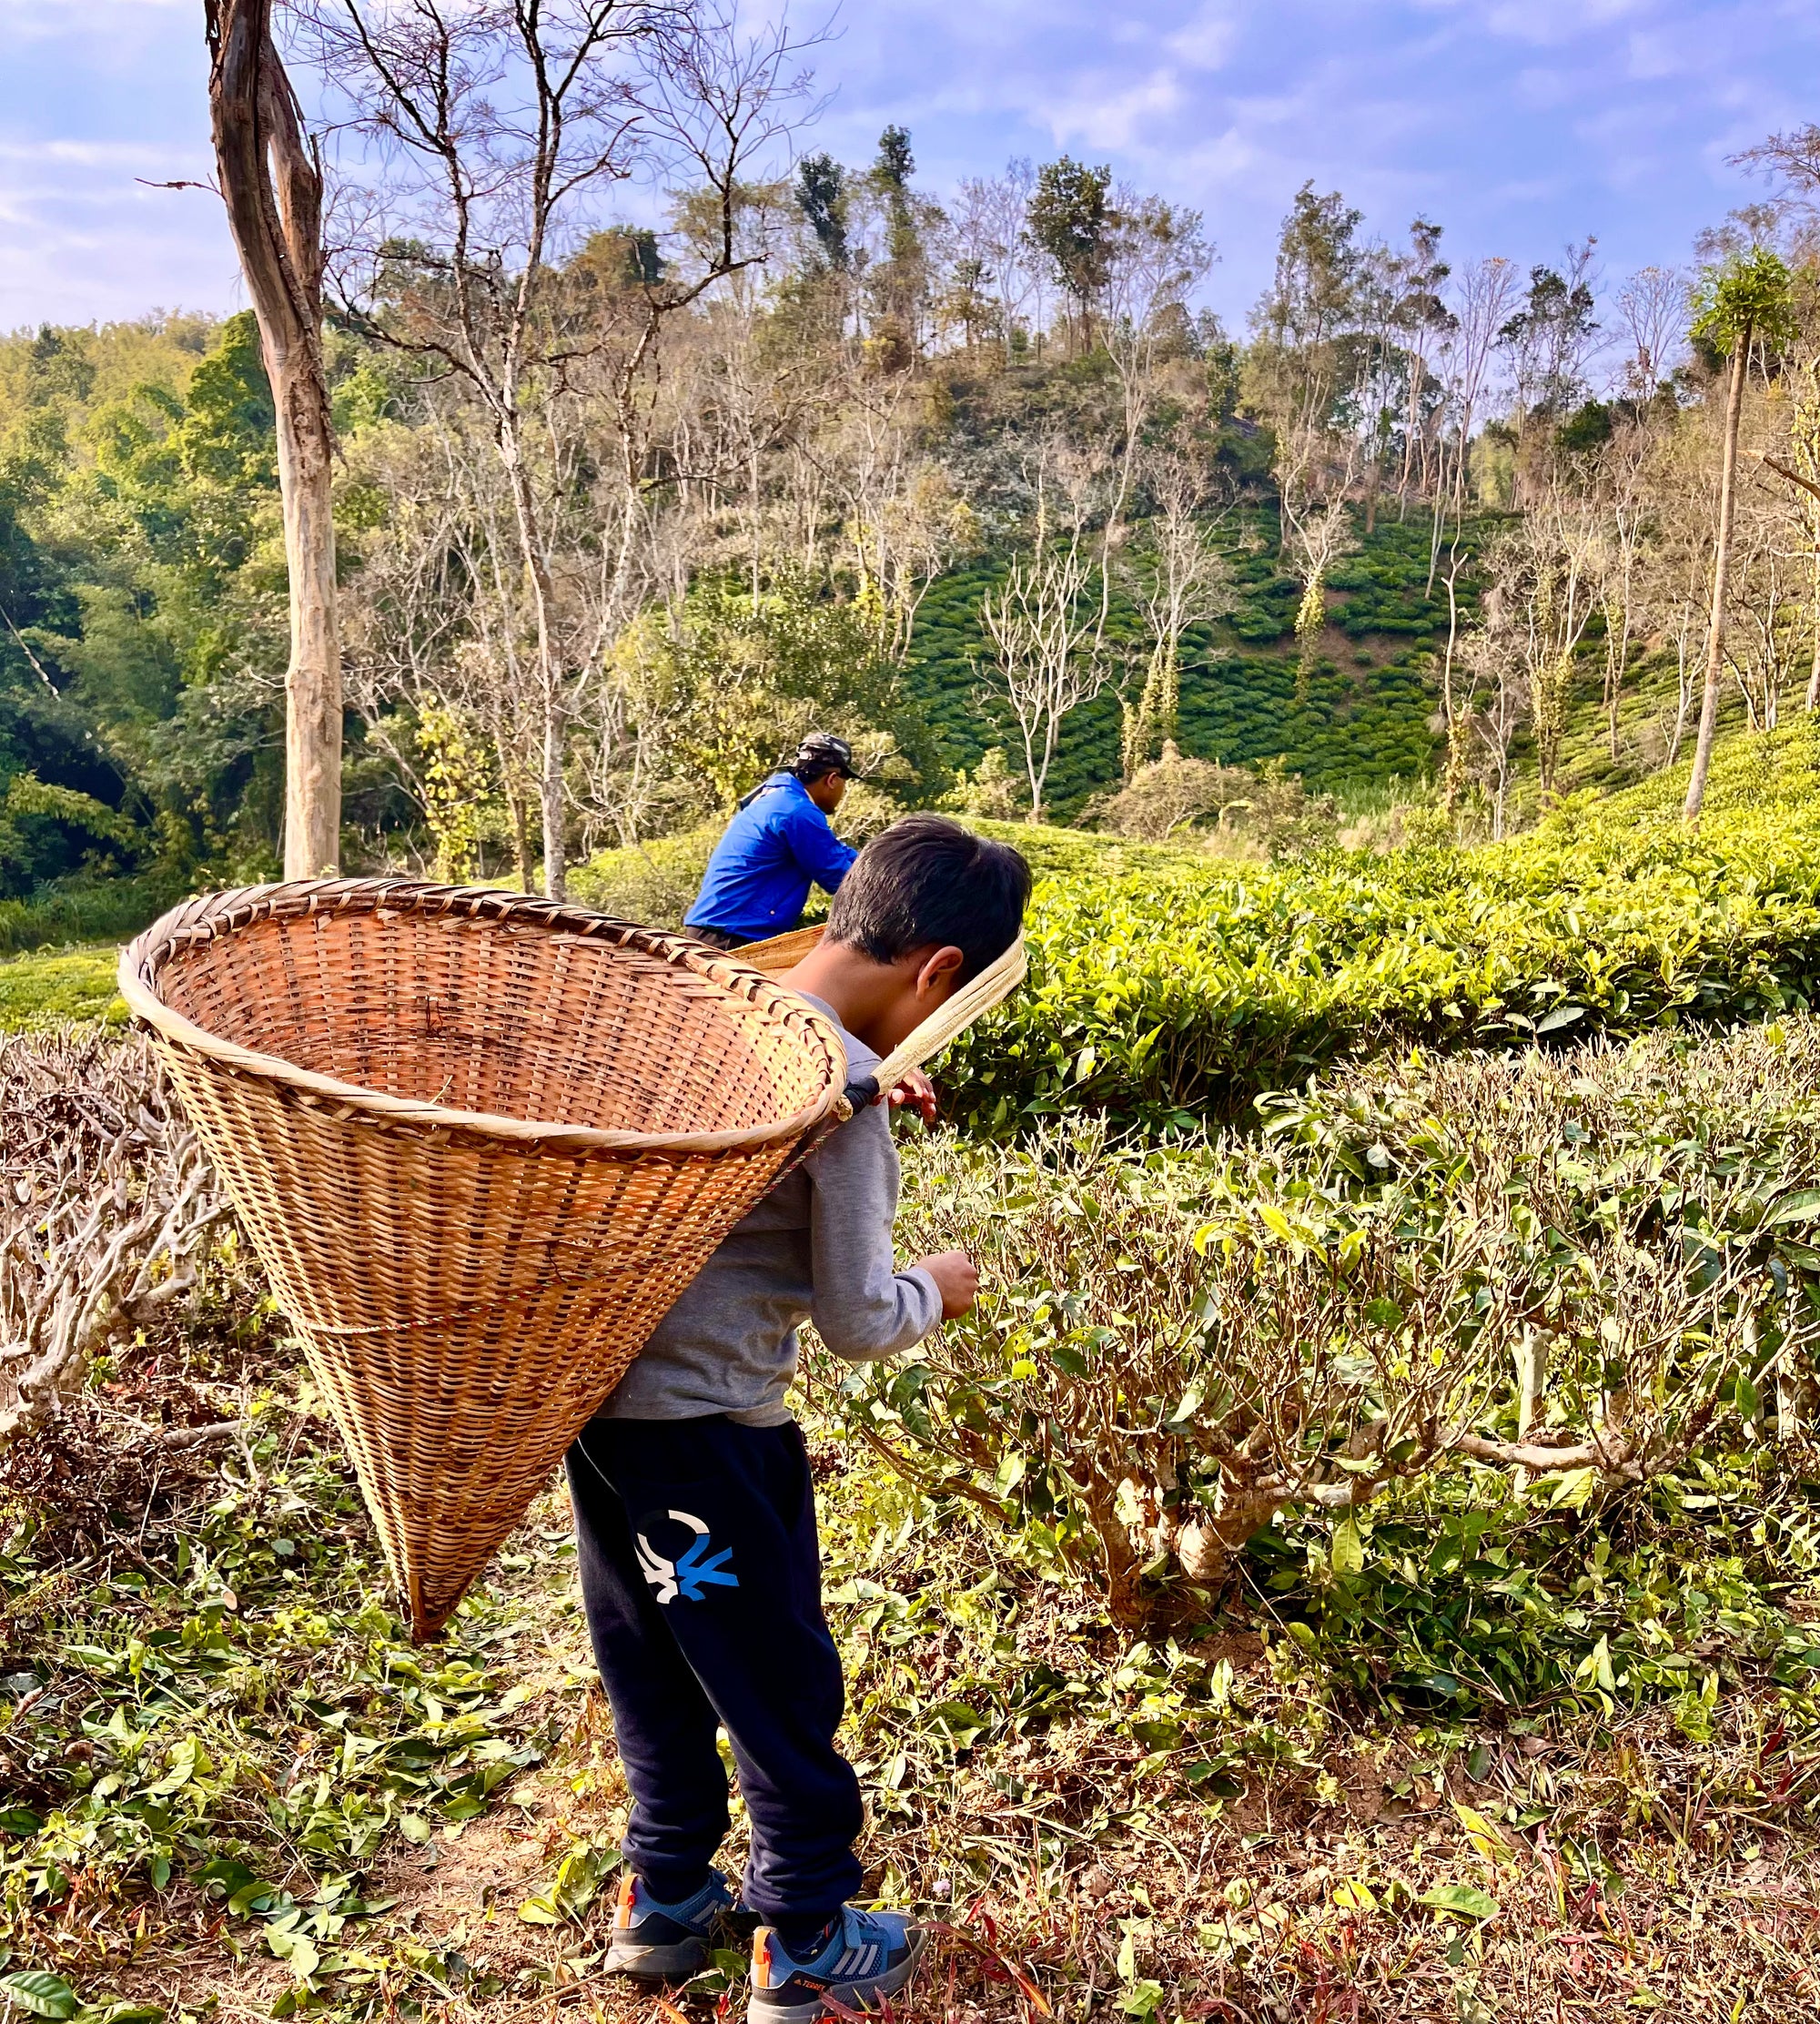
(927, 881)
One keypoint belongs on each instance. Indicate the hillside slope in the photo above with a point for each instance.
(1371, 696)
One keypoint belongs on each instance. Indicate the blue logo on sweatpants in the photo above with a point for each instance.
(693, 1570)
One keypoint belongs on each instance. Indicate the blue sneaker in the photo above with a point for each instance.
(868, 1954)
(654, 1942)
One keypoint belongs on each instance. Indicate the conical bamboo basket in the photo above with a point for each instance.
(481, 1143)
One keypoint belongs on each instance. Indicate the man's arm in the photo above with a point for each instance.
(864, 1309)
(817, 849)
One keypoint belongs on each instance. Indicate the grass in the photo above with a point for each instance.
(54, 988)
(92, 908)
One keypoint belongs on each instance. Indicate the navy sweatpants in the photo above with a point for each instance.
(701, 1577)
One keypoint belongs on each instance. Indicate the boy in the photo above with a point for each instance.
(694, 1515)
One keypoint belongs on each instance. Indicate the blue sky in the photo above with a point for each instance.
(1517, 124)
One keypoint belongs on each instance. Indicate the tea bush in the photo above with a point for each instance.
(1176, 996)
(655, 882)
(651, 883)
(1584, 1267)
(48, 988)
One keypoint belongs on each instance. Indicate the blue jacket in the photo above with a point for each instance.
(774, 849)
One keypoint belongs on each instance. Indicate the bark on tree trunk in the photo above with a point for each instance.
(271, 183)
(555, 849)
(313, 682)
(1721, 575)
(552, 701)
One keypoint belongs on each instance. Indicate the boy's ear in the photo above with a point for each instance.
(936, 973)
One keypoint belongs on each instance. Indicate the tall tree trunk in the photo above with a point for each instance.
(1451, 779)
(271, 183)
(552, 699)
(1722, 578)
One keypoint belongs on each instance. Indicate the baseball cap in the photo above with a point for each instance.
(821, 751)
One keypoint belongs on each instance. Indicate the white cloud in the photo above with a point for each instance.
(1542, 88)
(1207, 41)
(85, 154)
(1117, 119)
(1550, 23)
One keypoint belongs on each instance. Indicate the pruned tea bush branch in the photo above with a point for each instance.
(108, 1209)
(1566, 1266)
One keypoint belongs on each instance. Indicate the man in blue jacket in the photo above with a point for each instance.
(777, 845)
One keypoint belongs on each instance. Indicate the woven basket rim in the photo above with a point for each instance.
(213, 915)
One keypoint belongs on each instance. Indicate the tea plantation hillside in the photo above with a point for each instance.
(1169, 988)
(1371, 696)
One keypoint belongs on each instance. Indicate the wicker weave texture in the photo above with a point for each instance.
(480, 1143)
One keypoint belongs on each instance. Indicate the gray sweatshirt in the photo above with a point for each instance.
(817, 1247)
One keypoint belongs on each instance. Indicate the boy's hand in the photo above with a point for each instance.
(915, 1092)
(957, 1279)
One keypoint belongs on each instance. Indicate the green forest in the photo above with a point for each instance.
(1358, 1562)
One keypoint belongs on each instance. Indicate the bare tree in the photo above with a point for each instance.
(271, 182)
(1421, 320)
(988, 219)
(1546, 579)
(1652, 306)
(1156, 257)
(1805, 439)
(1745, 300)
(1499, 692)
(503, 129)
(1016, 272)
(1456, 721)
(1803, 473)
(902, 519)
(1772, 555)
(1621, 488)
(1481, 301)
(1792, 161)
(752, 397)
(1180, 580)
(1549, 342)
(1302, 373)
(1563, 565)
(1323, 533)
(1486, 295)
(1670, 579)
(1043, 622)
